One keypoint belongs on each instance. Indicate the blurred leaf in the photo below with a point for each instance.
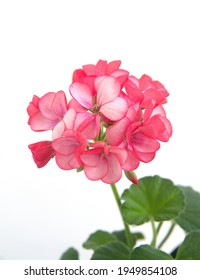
(189, 218)
(190, 248)
(114, 250)
(98, 238)
(147, 252)
(153, 198)
(70, 254)
(121, 236)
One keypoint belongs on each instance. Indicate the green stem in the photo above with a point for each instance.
(159, 227)
(126, 227)
(153, 243)
(167, 235)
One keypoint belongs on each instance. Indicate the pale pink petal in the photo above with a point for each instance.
(145, 157)
(76, 106)
(82, 93)
(88, 124)
(107, 90)
(132, 161)
(91, 157)
(120, 153)
(58, 130)
(65, 145)
(59, 104)
(45, 106)
(96, 173)
(69, 118)
(40, 123)
(116, 132)
(166, 134)
(114, 170)
(114, 110)
(67, 162)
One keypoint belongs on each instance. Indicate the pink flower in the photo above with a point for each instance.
(89, 72)
(42, 152)
(68, 149)
(106, 102)
(47, 111)
(103, 163)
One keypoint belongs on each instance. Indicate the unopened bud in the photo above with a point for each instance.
(131, 176)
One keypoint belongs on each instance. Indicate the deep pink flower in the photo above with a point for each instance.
(89, 72)
(106, 102)
(47, 111)
(42, 152)
(104, 163)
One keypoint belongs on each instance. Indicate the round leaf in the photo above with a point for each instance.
(153, 198)
(121, 236)
(114, 250)
(147, 252)
(70, 254)
(189, 218)
(97, 239)
(189, 249)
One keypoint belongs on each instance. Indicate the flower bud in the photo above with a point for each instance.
(131, 176)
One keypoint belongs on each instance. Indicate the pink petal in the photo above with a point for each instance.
(90, 69)
(82, 93)
(112, 66)
(45, 105)
(120, 153)
(132, 161)
(116, 132)
(101, 67)
(96, 173)
(114, 110)
(91, 157)
(58, 130)
(65, 145)
(40, 123)
(67, 162)
(145, 157)
(114, 170)
(59, 104)
(107, 90)
(69, 118)
(88, 124)
(144, 144)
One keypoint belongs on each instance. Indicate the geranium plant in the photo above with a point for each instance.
(112, 122)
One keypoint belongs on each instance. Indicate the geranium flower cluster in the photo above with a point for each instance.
(113, 122)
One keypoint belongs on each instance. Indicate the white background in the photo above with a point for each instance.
(45, 211)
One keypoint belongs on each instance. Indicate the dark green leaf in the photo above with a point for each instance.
(114, 250)
(121, 236)
(190, 248)
(70, 254)
(98, 238)
(153, 198)
(189, 218)
(147, 252)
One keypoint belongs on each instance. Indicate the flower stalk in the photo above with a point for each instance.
(129, 237)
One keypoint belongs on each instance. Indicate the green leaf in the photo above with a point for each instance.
(189, 218)
(121, 236)
(70, 254)
(190, 248)
(147, 252)
(114, 250)
(153, 198)
(98, 238)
